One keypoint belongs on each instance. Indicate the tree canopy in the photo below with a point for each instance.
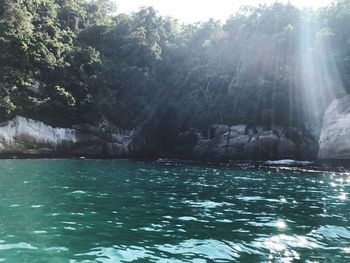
(69, 61)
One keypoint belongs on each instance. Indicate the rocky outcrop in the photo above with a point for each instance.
(26, 136)
(334, 142)
(246, 142)
(22, 136)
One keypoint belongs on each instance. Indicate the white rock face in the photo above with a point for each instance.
(334, 142)
(26, 136)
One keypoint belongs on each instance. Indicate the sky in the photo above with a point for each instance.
(189, 11)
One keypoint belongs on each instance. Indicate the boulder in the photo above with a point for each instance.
(202, 149)
(239, 129)
(248, 142)
(251, 149)
(218, 129)
(26, 136)
(334, 142)
(262, 146)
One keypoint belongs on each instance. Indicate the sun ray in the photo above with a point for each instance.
(318, 73)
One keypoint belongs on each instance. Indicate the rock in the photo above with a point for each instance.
(26, 136)
(103, 139)
(233, 132)
(239, 129)
(251, 130)
(202, 149)
(239, 141)
(287, 149)
(218, 129)
(277, 129)
(334, 142)
(262, 146)
(248, 142)
(251, 149)
(268, 143)
(185, 142)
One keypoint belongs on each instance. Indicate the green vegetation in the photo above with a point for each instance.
(72, 61)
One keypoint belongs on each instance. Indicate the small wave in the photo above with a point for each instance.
(285, 245)
(118, 254)
(78, 192)
(36, 206)
(204, 204)
(224, 221)
(288, 162)
(21, 245)
(212, 249)
(150, 229)
(70, 228)
(332, 232)
(40, 232)
(57, 249)
(191, 218)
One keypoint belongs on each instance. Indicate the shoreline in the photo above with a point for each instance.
(309, 165)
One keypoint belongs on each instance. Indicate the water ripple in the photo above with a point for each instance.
(124, 211)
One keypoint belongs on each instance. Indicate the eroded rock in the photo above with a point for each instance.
(246, 142)
(26, 136)
(334, 142)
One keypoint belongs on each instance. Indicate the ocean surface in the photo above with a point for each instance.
(134, 211)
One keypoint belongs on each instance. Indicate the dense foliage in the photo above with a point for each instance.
(70, 61)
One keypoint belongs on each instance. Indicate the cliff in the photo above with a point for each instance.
(334, 142)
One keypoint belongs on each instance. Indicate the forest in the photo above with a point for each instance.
(74, 61)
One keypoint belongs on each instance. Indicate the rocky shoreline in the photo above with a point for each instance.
(244, 142)
(27, 138)
(249, 142)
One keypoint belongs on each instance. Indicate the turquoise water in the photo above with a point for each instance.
(128, 211)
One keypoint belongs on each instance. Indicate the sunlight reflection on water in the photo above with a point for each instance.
(128, 211)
